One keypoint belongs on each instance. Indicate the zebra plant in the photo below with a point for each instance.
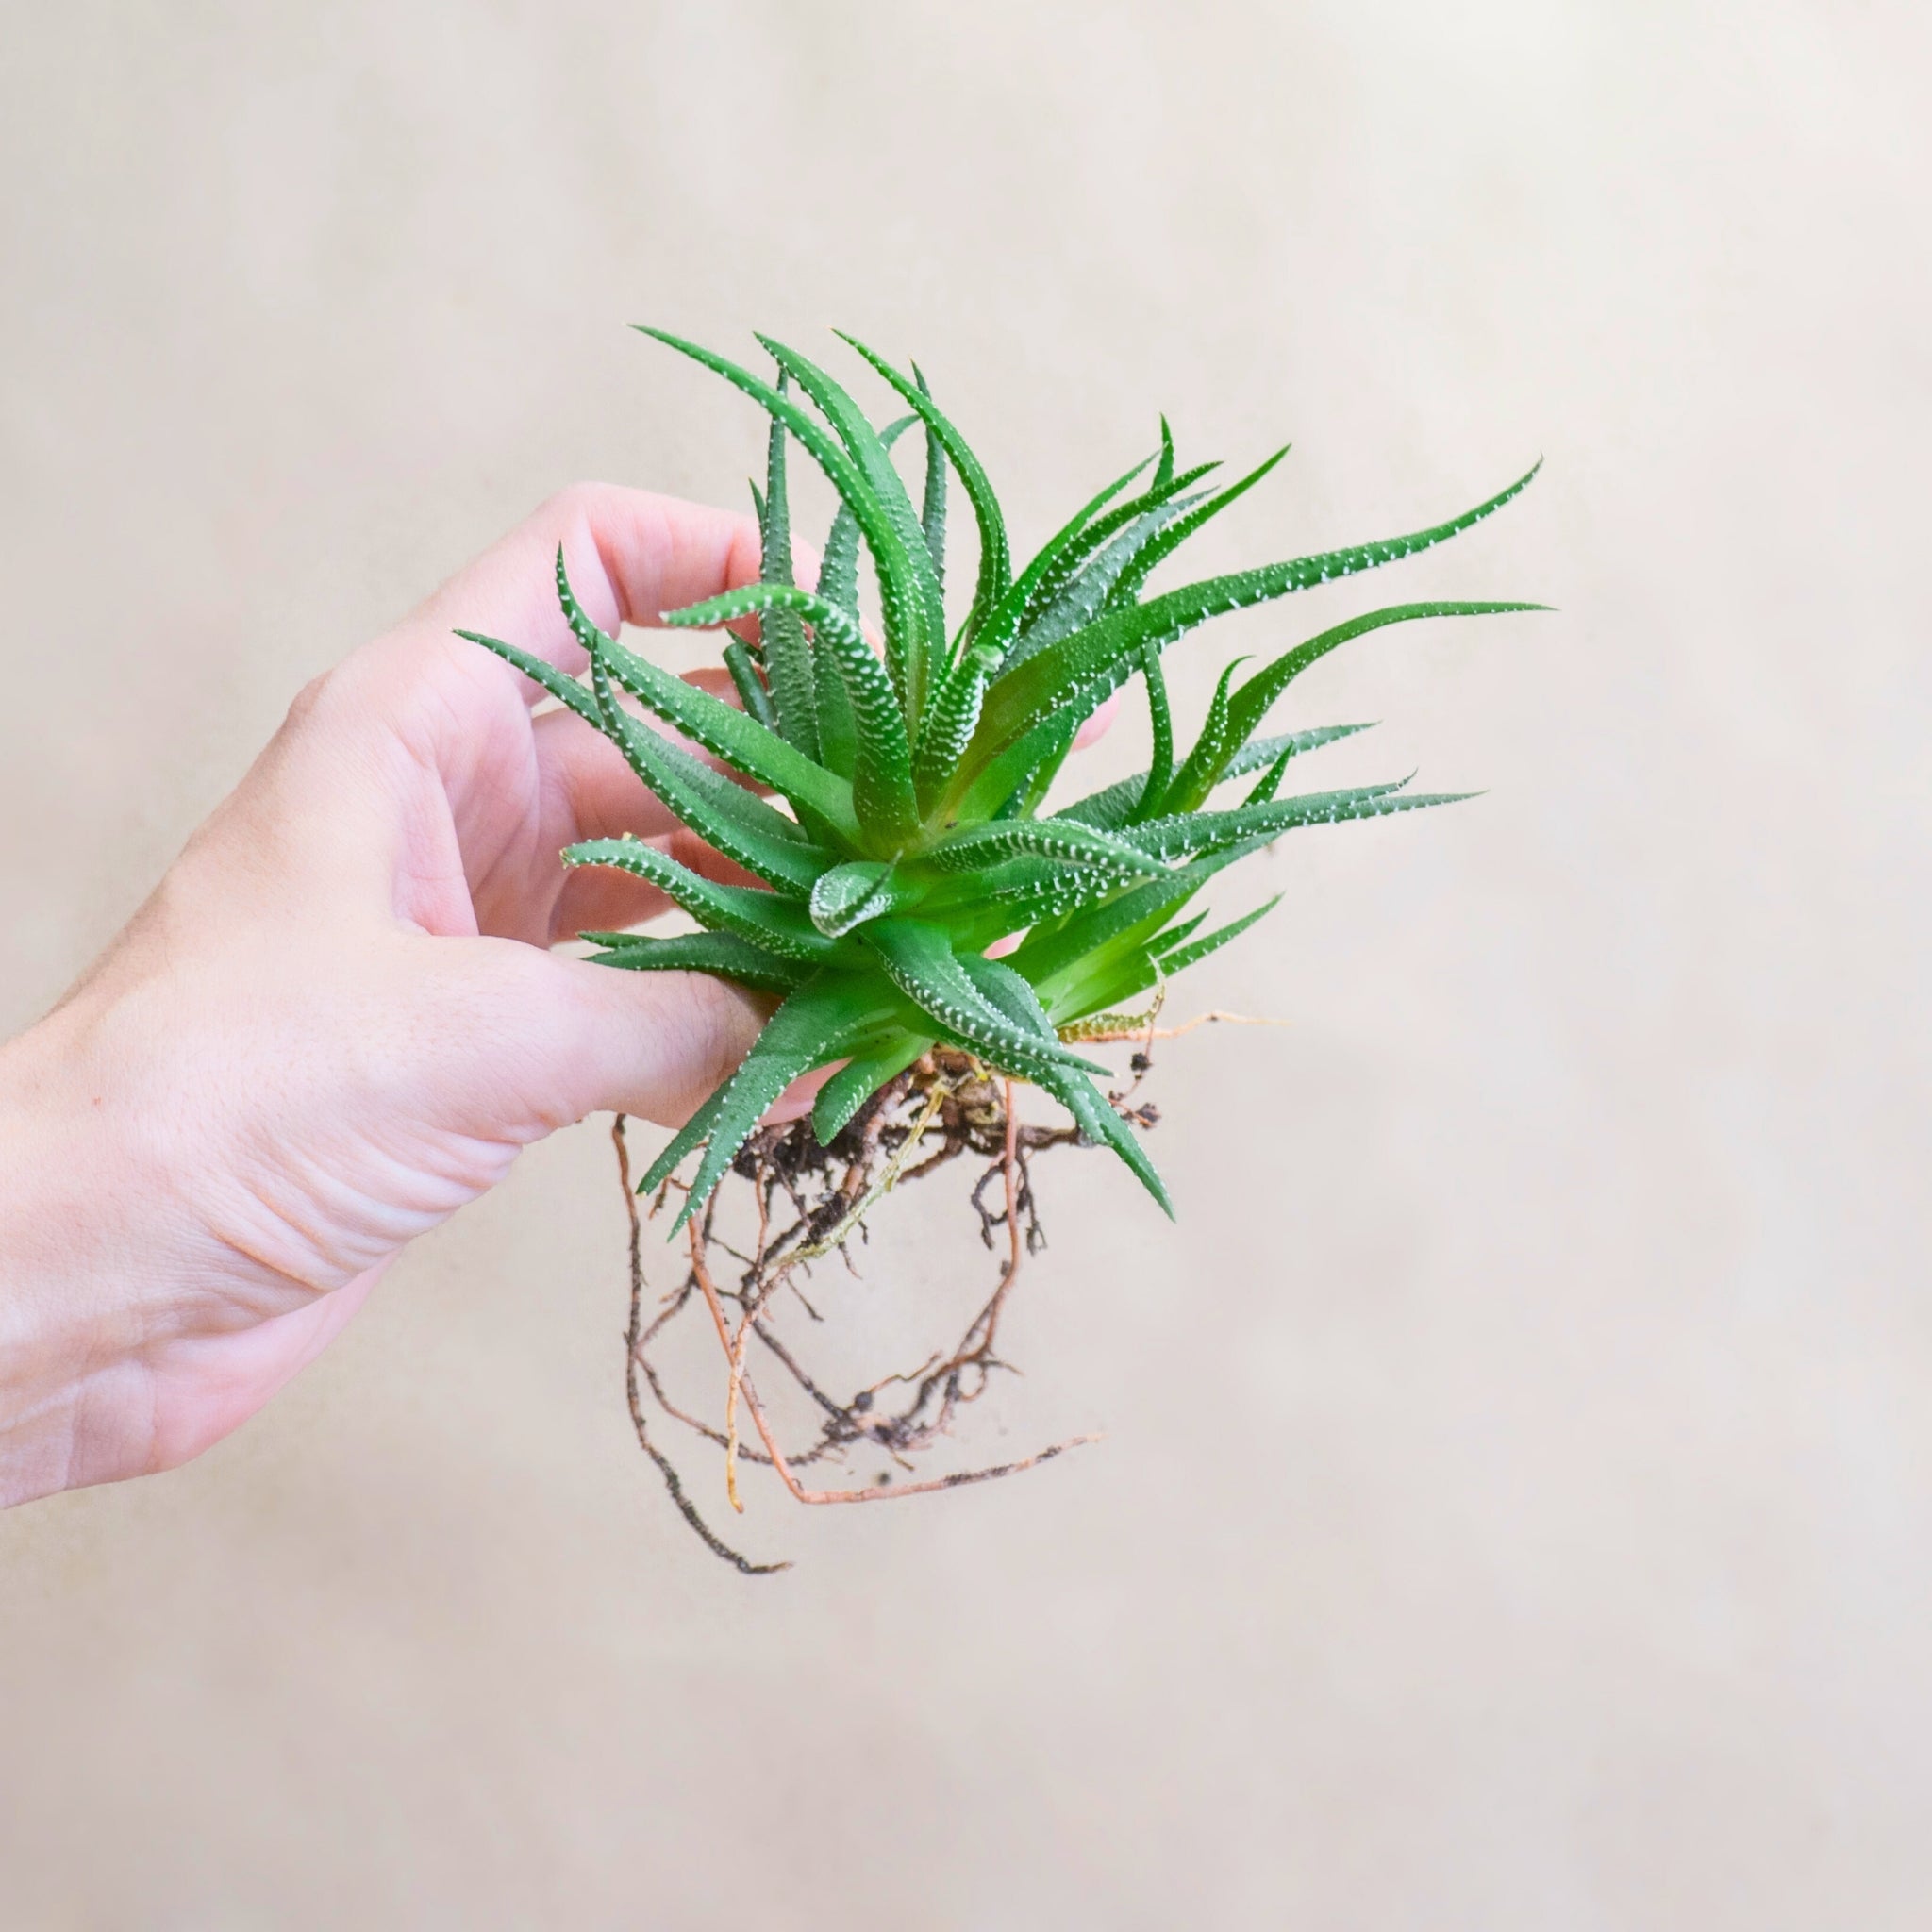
(919, 836)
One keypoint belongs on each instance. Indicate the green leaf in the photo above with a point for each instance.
(1104, 1128)
(1097, 660)
(1179, 959)
(751, 694)
(1048, 957)
(839, 584)
(854, 1083)
(1112, 806)
(855, 476)
(1073, 558)
(1163, 470)
(995, 565)
(1059, 748)
(1003, 621)
(781, 633)
(850, 895)
(815, 1024)
(691, 1135)
(1027, 894)
(720, 952)
(839, 566)
(1015, 781)
(882, 770)
(560, 684)
(1258, 753)
(1064, 841)
(1088, 588)
(778, 926)
(949, 723)
(1163, 546)
(1212, 749)
(734, 822)
(920, 960)
(1010, 994)
(1270, 781)
(1192, 834)
(915, 618)
(932, 514)
(1252, 702)
(1146, 801)
(725, 732)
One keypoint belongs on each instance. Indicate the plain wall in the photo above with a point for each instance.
(1514, 1506)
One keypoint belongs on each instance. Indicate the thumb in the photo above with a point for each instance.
(571, 1039)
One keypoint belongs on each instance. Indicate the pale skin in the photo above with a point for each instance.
(337, 1020)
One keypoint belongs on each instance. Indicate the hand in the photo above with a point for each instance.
(336, 1020)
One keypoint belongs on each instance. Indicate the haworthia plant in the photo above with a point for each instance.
(916, 777)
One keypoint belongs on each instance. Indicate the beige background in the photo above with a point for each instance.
(1515, 1506)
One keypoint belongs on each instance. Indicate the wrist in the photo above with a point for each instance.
(71, 1269)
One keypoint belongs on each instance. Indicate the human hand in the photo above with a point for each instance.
(336, 1019)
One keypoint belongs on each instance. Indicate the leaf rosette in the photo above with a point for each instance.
(907, 832)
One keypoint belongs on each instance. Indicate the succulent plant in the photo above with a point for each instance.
(918, 837)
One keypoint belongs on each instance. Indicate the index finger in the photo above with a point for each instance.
(630, 556)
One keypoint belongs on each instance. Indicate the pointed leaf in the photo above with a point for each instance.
(1270, 781)
(1105, 1127)
(1088, 589)
(1192, 834)
(1097, 660)
(995, 565)
(815, 1024)
(932, 514)
(839, 566)
(1258, 753)
(781, 633)
(882, 773)
(734, 822)
(1212, 749)
(1163, 470)
(691, 1135)
(1047, 957)
(856, 479)
(1112, 806)
(1179, 959)
(1073, 558)
(854, 1083)
(560, 684)
(778, 926)
(720, 952)
(1163, 546)
(1252, 702)
(949, 723)
(751, 694)
(915, 621)
(839, 584)
(725, 732)
(1003, 621)
(920, 959)
(1006, 784)
(1063, 841)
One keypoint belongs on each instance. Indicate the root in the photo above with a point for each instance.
(633, 1356)
(797, 1205)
